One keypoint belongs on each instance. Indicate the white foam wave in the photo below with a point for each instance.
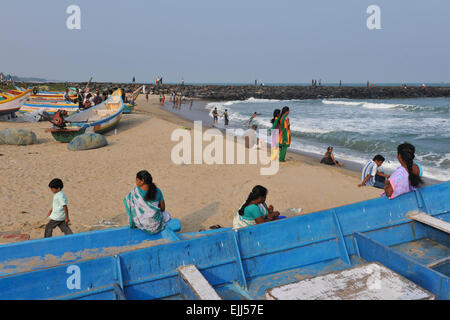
(344, 103)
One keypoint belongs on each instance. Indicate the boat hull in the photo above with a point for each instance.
(243, 263)
(13, 104)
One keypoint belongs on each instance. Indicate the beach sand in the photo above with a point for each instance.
(96, 181)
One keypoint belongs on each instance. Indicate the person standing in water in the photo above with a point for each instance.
(285, 133)
(253, 117)
(225, 115)
(275, 133)
(215, 115)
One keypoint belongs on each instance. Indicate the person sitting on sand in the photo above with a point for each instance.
(59, 214)
(253, 211)
(146, 208)
(370, 176)
(405, 178)
(328, 158)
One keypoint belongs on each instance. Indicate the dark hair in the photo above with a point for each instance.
(284, 110)
(406, 151)
(56, 184)
(148, 180)
(276, 113)
(257, 191)
(329, 148)
(378, 157)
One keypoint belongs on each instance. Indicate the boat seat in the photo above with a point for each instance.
(194, 286)
(104, 113)
(372, 281)
(112, 106)
(431, 221)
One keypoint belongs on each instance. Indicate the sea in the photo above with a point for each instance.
(357, 129)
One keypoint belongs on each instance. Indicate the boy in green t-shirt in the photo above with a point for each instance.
(59, 214)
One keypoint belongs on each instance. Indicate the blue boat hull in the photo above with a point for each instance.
(243, 263)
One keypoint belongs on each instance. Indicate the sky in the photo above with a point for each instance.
(232, 41)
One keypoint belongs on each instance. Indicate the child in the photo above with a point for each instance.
(370, 176)
(59, 214)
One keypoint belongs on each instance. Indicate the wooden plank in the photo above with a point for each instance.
(431, 221)
(198, 286)
(365, 282)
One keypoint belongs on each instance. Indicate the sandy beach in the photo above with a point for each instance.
(96, 181)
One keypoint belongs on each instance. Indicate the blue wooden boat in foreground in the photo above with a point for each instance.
(402, 244)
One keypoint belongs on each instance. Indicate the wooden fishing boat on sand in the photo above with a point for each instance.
(12, 101)
(99, 119)
(375, 249)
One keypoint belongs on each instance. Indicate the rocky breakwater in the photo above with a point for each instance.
(243, 92)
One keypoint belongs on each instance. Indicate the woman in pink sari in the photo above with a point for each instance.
(404, 179)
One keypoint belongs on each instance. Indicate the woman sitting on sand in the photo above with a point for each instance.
(405, 178)
(254, 210)
(328, 158)
(146, 207)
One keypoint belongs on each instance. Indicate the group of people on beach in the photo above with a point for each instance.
(146, 208)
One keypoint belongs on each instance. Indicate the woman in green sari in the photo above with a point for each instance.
(146, 207)
(285, 133)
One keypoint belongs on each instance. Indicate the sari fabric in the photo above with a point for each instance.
(400, 182)
(143, 214)
(285, 131)
(240, 222)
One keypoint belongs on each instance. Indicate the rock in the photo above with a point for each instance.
(18, 137)
(87, 141)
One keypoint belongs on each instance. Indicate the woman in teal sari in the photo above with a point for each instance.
(146, 207)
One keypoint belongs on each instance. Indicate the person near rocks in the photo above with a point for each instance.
(370, 176)
(59, 213)
(328, 158)
(224, 115)
(190, 104)
(146, 208)
(405, 178)
(215, 115)
(284, 134)
(254, 210)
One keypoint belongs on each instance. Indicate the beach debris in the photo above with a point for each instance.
(87, 141)
(18, 137)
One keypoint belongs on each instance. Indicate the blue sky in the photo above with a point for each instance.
(288, 41)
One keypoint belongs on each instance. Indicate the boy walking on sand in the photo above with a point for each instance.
(59, 214)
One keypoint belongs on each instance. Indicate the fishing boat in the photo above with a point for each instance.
(12, 101)
(375, 249)
(99, 119)
(132, 97)
(50, 106)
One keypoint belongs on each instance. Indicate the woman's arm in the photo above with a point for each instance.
(162, 206)
(388, 188)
